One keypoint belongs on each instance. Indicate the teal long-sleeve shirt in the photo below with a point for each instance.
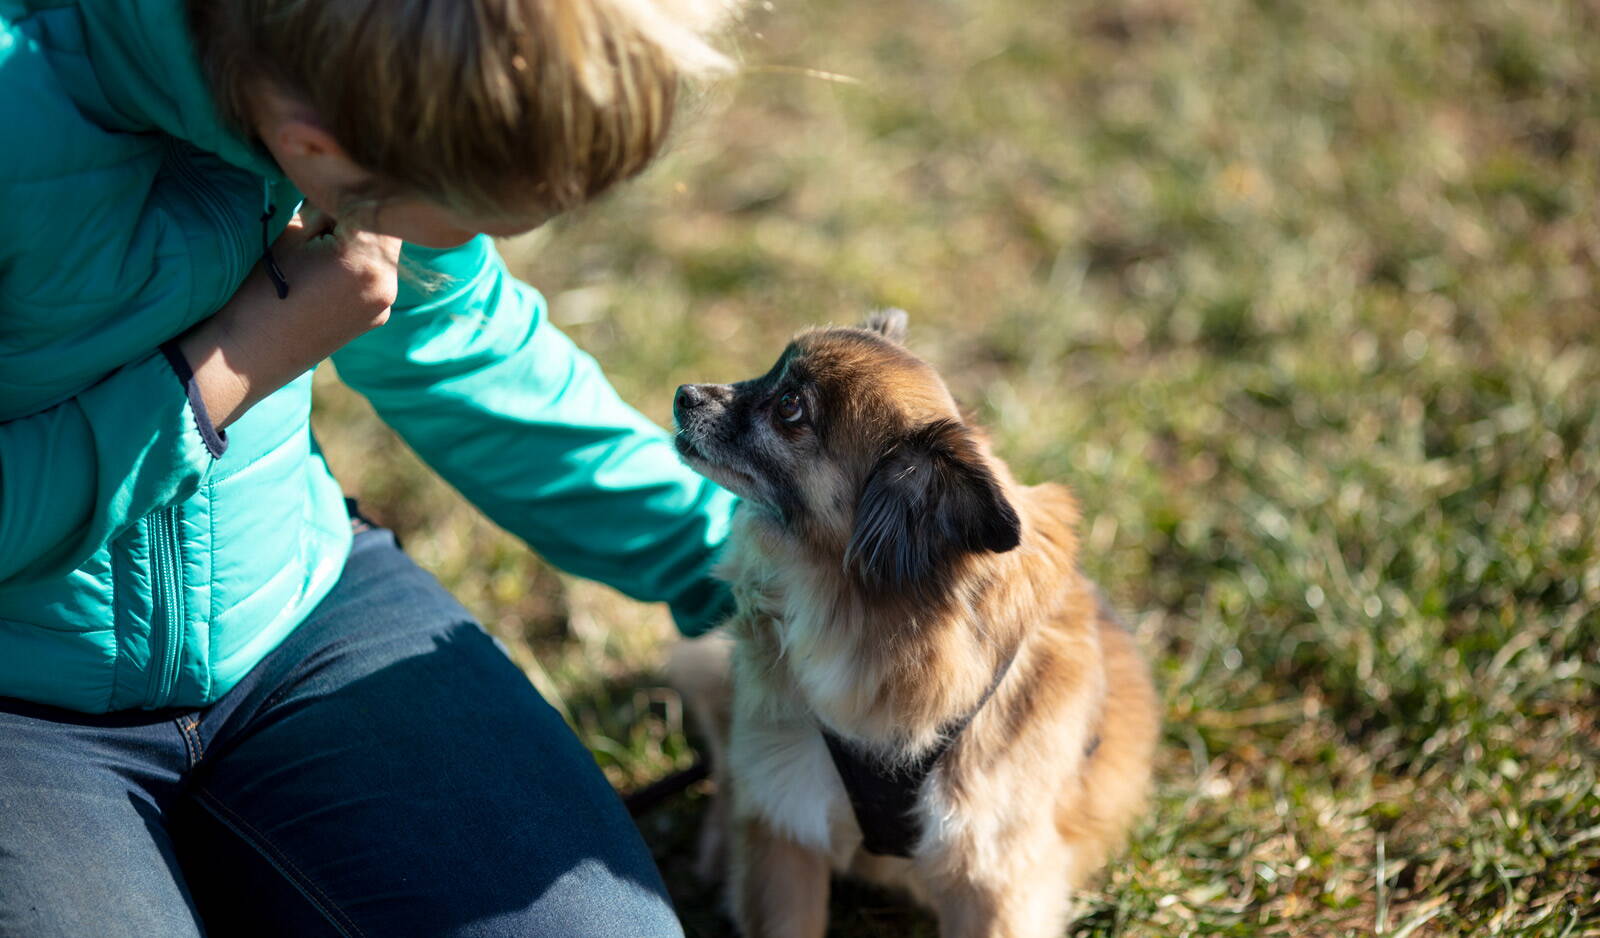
(475, 378)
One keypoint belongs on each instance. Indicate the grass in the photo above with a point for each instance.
(1300, 297)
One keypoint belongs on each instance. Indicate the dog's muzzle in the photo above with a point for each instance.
(696, 402)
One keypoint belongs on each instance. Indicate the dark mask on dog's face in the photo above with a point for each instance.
(853, 446)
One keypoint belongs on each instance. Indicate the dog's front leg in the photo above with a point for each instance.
(1030, 901)
(779, 889)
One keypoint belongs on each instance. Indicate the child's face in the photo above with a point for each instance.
(420, 221)
(328, 185)
(329, 179)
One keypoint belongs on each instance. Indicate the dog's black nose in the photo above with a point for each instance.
(692, 397)
(689, 397)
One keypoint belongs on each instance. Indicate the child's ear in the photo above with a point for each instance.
(930, 500)
(889, 323)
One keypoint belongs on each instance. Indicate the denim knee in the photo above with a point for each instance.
(591, 900)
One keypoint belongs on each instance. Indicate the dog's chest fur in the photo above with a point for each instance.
(797, 666)
(785, 774)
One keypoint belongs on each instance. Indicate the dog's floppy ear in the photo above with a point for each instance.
(889, 323)
(930, 500)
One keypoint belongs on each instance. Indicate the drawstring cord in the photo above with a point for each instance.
(274, 272)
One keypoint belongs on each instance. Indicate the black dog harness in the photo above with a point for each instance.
(882, 795)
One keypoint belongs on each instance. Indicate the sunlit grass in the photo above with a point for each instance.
(1301, 298)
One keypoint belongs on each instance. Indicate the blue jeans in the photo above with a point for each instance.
(386, 772)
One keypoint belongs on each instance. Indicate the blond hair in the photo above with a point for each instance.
(480, 105)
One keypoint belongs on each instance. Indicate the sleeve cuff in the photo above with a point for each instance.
(702, 608)
(216, 440)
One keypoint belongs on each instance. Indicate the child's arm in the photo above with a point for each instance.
(338, 289)
(512, 414)
(77, 474)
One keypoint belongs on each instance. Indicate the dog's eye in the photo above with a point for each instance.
(790, 408)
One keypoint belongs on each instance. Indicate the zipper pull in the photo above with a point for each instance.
(274, 272)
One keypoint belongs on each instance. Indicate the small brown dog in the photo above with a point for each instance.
(925, 689)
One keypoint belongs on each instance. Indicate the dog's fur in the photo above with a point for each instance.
(886, 565)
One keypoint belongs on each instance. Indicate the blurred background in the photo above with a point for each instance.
(1301, 298)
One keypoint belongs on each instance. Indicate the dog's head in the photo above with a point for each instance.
(853, 446)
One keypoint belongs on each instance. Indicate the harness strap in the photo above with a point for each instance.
(883, 795)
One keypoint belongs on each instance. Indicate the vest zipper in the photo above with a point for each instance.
(166, 611)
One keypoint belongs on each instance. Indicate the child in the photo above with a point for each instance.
(220, 709)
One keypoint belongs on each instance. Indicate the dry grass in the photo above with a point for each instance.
(1301, 297)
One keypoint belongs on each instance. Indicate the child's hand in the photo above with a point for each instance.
(339, 288)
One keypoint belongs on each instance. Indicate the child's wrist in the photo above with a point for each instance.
(223, 382)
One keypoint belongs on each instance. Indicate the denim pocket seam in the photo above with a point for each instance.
(280, 862)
